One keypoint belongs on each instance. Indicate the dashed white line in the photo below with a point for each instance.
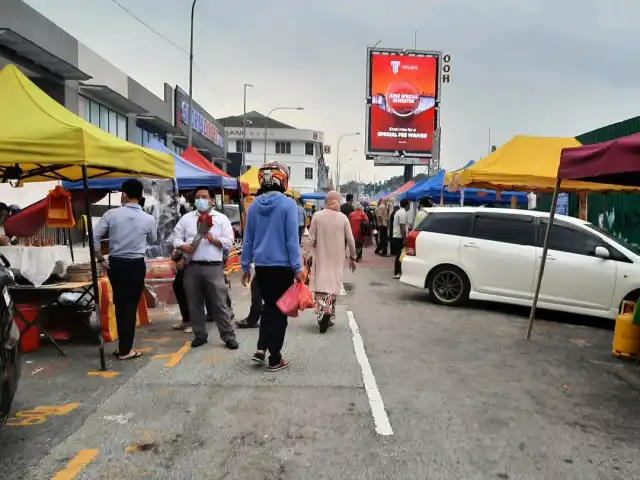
(380, 418)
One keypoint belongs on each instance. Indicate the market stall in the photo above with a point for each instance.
(40, 140)
(603, 166)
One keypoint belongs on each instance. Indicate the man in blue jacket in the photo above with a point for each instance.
(271, 242)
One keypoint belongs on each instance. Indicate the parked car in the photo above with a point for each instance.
(494, 255)
(10, 353)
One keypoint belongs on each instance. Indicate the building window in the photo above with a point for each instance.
(308, 173)
(103, 117)
(142, 137)
(178, 149)
(308, 148)
(239, 146)
(283, 147)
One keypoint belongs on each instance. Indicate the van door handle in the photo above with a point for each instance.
(470, 245)
(549, 257)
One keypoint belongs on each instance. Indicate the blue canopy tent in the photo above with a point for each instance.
(313, 196)
(188, 175)
(377, 196)
(433, 187)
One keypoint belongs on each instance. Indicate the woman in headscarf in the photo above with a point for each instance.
(330, 233)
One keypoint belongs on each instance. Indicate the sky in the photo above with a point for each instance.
(537, 67)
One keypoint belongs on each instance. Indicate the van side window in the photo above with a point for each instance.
(571, 240)
(515, 229)
(458, 224)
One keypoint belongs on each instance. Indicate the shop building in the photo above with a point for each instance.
(93, 88)
(300, 150)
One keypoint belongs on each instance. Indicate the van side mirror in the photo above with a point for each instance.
(602, 252)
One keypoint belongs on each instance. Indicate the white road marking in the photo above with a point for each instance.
(380, 418)
(122, 419)
(343, 292)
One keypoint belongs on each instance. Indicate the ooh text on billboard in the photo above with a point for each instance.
(403, 102)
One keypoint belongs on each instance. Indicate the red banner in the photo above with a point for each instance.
(403, 96)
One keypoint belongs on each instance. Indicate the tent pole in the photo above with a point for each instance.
(543, 261)
(442, 195)
(94, 268)
(604, 212)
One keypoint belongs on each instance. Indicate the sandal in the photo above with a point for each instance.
(181, 326)
(244, 324)
(135, 355)
(258, 357)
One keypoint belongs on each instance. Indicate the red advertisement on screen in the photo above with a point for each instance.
(403, 96)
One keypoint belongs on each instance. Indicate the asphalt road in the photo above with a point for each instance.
(464, 395)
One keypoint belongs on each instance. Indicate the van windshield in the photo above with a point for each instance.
(631, 247)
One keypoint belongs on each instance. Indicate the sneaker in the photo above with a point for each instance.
(258, 357)
(397, 276)
(232, 344)
(280, 366)
(198, 342)
(188, 330)
(324, 322)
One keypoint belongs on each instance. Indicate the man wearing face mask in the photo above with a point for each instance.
(129, 230)
(203, 236)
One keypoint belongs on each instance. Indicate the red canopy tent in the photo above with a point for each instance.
(616, 162)
(402, 189)
(195, 158)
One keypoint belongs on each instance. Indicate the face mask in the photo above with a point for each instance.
(202, 204)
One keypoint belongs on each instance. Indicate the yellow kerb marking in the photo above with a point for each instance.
(174, 358)
(103, 374)
(156, 340)
(40, 415)
(76, 465)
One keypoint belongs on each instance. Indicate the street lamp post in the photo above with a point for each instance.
(266, 123)
(338, 157)
(244, 130)
(190, 118)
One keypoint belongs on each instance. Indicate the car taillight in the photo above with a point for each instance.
(411, 243)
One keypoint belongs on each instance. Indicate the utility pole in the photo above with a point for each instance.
(244, 130)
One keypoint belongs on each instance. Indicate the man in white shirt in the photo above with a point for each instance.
(204, 269)
(399, 235)
(424, 203)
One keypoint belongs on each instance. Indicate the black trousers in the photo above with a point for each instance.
(127, 282)
(181, 297)
(273, 282)
(359, 248)
(256, 304)
(396, 249)
(383, 240)
(300, 233)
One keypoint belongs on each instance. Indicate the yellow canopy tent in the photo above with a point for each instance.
(40, 140)
(527, 164)
(48, 142)
(250, 177)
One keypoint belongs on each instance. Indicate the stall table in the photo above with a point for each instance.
(37, 264)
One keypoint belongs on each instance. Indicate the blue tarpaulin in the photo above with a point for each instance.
(313, 196)
(188, 175)
(432, 187)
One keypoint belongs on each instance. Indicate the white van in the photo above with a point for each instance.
(494, 255)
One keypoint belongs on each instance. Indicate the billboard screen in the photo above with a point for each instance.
(403, 98)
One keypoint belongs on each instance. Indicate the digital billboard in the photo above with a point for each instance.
(402, 101)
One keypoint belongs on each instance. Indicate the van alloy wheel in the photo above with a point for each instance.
(447, 286)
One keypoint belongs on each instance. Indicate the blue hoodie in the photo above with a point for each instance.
(271, 237)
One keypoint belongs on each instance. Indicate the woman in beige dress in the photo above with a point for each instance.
(330, 234)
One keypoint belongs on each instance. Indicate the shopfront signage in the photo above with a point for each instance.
(382, 161)
(201, 122)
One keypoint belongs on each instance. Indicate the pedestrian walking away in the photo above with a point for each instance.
(423, 205)
(203, 236)
(360, 228)
(382, 217)
(399, 235)
(271, 242)
(330, 232)
(129, 230)
(302, 219)
(347, 207)
(255, 311)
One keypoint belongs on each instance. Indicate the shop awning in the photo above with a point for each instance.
(402, 189)
(616, 162)
(40, 140)
(192, 155)
(528, 164)
(39, 56)
(157, 124)
(109, 97)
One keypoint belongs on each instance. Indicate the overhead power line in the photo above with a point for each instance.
(173, 44)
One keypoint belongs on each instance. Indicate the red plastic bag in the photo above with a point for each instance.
(297, 297)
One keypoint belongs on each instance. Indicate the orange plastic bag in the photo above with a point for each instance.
(297, 297)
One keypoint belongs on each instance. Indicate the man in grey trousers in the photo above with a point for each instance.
(203, 236)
